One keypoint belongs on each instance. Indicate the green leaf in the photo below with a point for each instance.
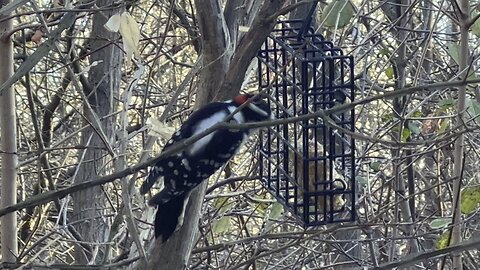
(362, 181)
(221, 225)
(473, 108)
(417, 114)
(406, 133)
(261, 207)
(222, 204)
(439, 223)
(446, 103)
(444, 124)
(384, 51)
(470, 200)
(387, 117)
(276, 210)
(375, 166)
(389, 72)
(337, 14)
(453, 51)
(472, 76)
(476, 26)
(396, 129)
(414, 127)
(442, 242)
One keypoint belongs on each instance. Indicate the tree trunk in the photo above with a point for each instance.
(463, 67)
(406, 210)
(104, 81)
(174, 254)
(220, 79)
(8, 148)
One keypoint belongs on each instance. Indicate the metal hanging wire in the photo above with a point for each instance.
(307, 21)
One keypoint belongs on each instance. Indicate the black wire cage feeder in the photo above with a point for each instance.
(308, 165)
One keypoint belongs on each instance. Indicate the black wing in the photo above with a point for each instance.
(185, 131)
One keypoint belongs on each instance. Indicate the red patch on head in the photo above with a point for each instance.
(240, 99)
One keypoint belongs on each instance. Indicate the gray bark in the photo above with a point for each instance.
(174, 253)
(8, 147)
(216, 46)
(214, 52)
(463, 13)
(104, 82)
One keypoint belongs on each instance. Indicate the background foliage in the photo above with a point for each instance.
(404, 143)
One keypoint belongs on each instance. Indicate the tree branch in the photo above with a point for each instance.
(60, 193)
(248, 47)
(409, 260)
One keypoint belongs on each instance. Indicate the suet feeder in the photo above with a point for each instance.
(308, 165)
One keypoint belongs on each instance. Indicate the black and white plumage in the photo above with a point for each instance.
(185, 170)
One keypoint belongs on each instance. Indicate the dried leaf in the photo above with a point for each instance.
(130, 34)
(113, 24)
(276, 211)
(159, 129)
(243, 28)
(37, 37)
(129, 30)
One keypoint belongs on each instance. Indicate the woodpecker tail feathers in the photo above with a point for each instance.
(169, 217)
(164, 197)
(148, 183)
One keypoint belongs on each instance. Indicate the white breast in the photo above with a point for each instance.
(202, 126)
(238, 116)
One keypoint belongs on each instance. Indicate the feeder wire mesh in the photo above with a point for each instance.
(308, 165)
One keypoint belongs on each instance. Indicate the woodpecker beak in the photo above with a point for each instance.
(261, 108)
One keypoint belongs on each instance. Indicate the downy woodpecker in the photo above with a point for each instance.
(183, 171)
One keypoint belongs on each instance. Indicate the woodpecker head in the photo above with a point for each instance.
(256, 110)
